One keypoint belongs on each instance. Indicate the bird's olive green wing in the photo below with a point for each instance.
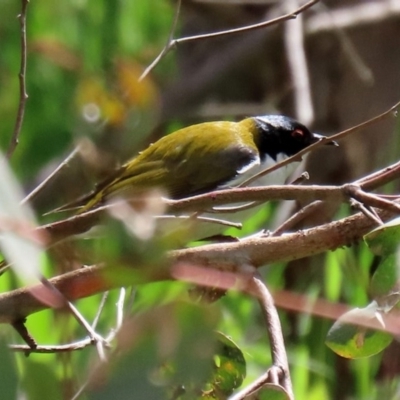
(190, 161)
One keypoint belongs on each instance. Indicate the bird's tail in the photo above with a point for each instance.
(92, 199)
(80, 205)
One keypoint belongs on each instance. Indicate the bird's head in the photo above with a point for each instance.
(278, 134)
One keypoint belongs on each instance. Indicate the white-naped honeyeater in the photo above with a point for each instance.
(207, 156)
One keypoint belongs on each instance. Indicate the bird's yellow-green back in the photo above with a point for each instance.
(189, 161)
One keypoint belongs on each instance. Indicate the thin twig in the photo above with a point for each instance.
(280, 366)
(85, 384)
(168, 45)
(297, 217)
(367, 211)
(120, 309)
(23, 96)
(370, 199)
(100, 309)
(96, 338)
(217, 221)
(79, 345)
(110, 337)
(248, 28)
(20, 327)
(363, 125)
(100, 350)
(379, 178)
(120, 315)
(254, 386)
(38, 188)
(234, 209)
(277, 343)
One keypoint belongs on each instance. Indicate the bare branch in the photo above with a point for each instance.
(96, 338)
(23, 96)
(83, 222)
(168, 46)
(370, 199)
(203, 219)
(291, 246)
(38, 188)
(249, 28)
(257, 251)
(297, 217)
(257, 288)
(391, 111)
(79, 345)
(100, 309)
(174, 42)
(306, 193)
(367, 211)
(19, 326)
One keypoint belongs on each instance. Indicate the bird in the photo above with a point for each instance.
(205, 157)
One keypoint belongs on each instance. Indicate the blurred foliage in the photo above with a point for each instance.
(84, 60)
(81, 54)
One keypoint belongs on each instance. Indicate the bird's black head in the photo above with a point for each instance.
(283, 135)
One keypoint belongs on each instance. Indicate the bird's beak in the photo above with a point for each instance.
(318, 137)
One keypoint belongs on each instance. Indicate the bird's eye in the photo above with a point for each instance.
(298, 134)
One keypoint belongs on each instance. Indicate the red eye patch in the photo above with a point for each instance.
(298, 133)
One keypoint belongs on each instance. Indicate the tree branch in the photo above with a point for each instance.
(174, 42)
(256, 251)
(280, 367)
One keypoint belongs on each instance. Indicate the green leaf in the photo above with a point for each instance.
(385, 239)
(230, 366)
(354, 341)
(385, 283)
